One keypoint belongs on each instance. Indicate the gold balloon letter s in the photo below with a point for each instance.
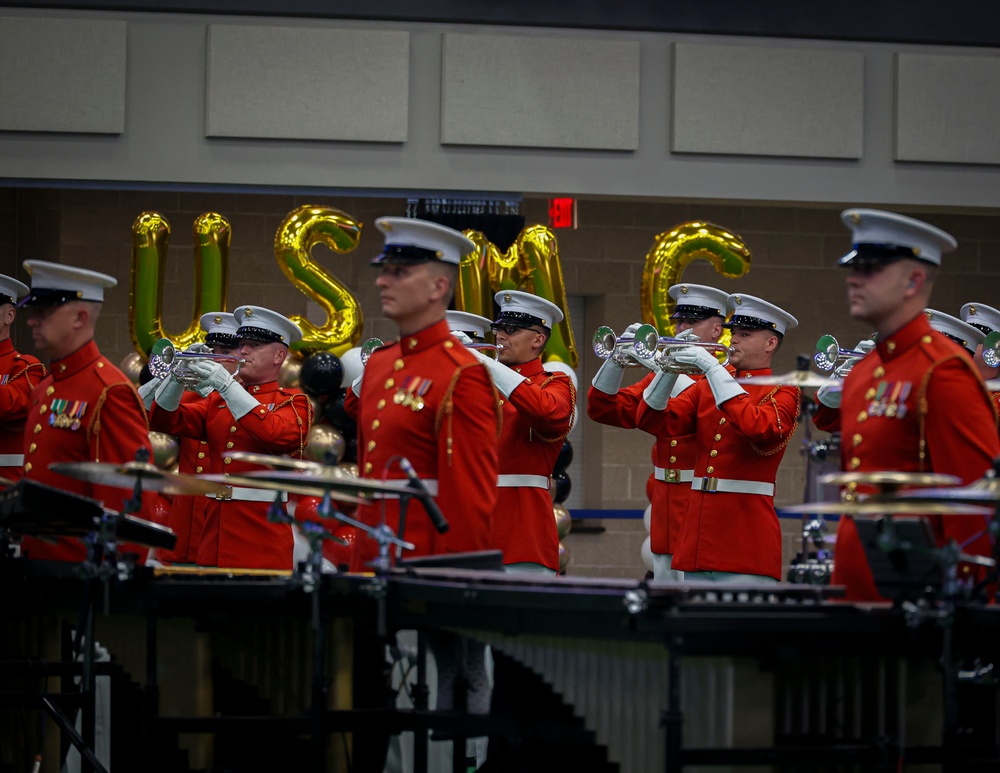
(293, 243)
(150, 239)
(671, 254)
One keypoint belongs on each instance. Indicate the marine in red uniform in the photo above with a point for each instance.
(986, 319)
(256, 415)
(85, 409)
(914, 404)
(187, 513)
(538, 409)
(19, 375)
(700, 312)
(730, 530)
(426, 398)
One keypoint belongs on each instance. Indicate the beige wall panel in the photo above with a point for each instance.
(948, 108)
(540, 92)
(757, 101)
(62, 75)
(317, 84)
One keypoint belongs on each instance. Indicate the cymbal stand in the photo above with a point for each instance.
(101, 565)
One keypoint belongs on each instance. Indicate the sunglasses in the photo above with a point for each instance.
(511, 329)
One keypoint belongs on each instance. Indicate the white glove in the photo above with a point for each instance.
(723, 385)
(356, 385)
(687, 335)
(147, 392)
(829, 395)
(506, 379)
(167, 394)
(696, 356)
(608, 378)
(657, 393)
(199, 348)
(214, 376)
(462, 337)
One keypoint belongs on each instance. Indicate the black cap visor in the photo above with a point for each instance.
(40, 296)
(404, 255)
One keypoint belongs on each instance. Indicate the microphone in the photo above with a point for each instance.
(429, 504)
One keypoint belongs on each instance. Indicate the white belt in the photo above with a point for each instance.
(528, 481)
(669, 475)
(733, 486)
(243, 494)
(11, 460)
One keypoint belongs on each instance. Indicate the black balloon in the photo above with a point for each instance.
(563, 486)
(336, 416)
(321, 374)
(565, 458)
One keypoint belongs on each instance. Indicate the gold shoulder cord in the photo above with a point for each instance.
(769, 397)
(446, 409)
(303, 428)
(572, 412)
(923, 406)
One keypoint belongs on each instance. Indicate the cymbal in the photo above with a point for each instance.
(279, 462)
(983, 490)
(343, 486)
(889, 478)
(799, 378)
(128, 474)
(881, 506)
(334, 480)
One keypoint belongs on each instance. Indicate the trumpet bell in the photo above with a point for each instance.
(827, 353)
(164, 360)
(609, 346)
(991, 350)
(368, 347)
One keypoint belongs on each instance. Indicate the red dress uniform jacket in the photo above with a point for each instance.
(426, 397)
(19, 375)
(743, 440)
(674, 455)
(536, 419)
(236, 532)
(915, 404)
(187, 513)
(85, 410)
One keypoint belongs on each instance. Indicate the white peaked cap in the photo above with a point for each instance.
(410, 241)
(524, 310)
(959, 332)
(881, 236)
(697, 301)
(979, 315)
(260, 324)
(751, 312)
(467, 322)
(56, 283)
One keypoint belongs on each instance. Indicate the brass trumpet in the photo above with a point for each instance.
(662, 353)
(164, 359)
(829, 354)
(369, 346)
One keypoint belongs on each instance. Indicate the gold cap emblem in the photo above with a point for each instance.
(506, 297)
(684, 290)
(855, 218)
(248, 313)
(737, 300)
(217, 319)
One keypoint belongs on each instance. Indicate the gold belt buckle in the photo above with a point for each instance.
(226, 495)
(671, 476)
(709, 484)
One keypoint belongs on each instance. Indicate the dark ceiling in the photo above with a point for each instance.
(958, 22)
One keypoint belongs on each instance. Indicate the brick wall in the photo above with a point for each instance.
(795, 249)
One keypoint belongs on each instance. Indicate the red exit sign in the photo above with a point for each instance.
(562, 213)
